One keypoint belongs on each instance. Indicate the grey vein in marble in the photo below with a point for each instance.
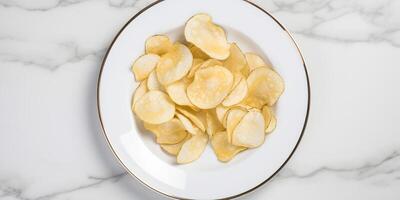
(18, 193)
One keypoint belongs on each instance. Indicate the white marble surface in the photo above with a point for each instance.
(51, 145)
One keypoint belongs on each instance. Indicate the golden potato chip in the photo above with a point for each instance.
(192, 149)
(174, 65)
(198, 118)
(211, 63)
(153, 83)
(170, 132)
(265, 86)
(224, 150)
(177, 92)
(237, 94)
(139, 92)
(174, 149)
(272, 124)
(236, 60)
(243, 106)
(213, 125)
(155, 107)
(207, 63)
(255, 61)
(221, 111)
(237, 77)
(267, 114)
(250, 130)
(158, 44)
(197, 53)
(188, 124)
(195, 66)
(210, 86)
(144, 65)
(207, 36)
(233, 118)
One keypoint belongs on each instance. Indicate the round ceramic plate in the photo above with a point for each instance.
(254, 30)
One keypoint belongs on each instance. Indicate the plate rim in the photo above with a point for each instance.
(132, 174)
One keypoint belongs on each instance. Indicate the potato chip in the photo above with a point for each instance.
(188, 124)
(272, 124)
(255, 61)
(198, 118)
(170, 132)
(195, 66)
(197, 53)
(174, 65)
(177, 92)
(207, 63)
(250, 130)
(267, 114)
(233, 118)
(243, 106)
(174, 149)
(224, 150)
(144, 65)
(265, 86)
(158, 44)
(207, 36)
(139, 92)
(213, 125)
(221, 111)
(210, 86)
(192, 149)
(236, 60)
(237, 94)
(155, 107)
(237, 77)
(153, 83)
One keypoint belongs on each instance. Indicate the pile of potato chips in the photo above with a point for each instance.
(205, 90)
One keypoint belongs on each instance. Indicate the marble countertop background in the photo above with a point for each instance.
(51, 147)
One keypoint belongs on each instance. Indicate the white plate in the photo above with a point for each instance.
(254, 30)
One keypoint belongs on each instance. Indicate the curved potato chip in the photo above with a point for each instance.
(221, 111)
(155, 107)
(272, 124)
(243, 106)
(170, 132)
(177, 92)
(208, 63)
(255, 61)
(194, 68)
(158, 44)
(213, 125)
(236, 60)
(237, 77)
(174, 65)
(197, 53)
(267, 114)
(144, 65)
(233, 118)
(207, 36)
(265, 87)
(250, 130)
(224, 150)
(174, 149)
(198, 118)
(210, 86)
(192, 149)
(188, 124)
(153, 83)
(139, 92)
(237, 95)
